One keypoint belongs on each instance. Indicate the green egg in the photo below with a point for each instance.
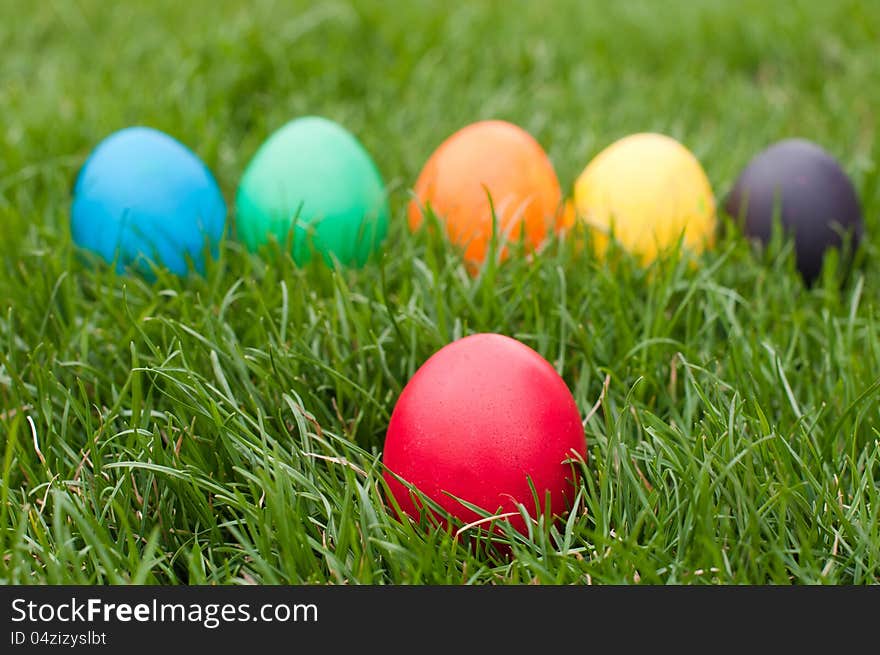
(313, 184)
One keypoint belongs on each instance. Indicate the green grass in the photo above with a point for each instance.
(228, 428)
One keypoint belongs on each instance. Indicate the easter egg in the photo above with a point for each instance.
(142, 199)
(313, 182)
(648, 191)
(481, 420)
(802, 186)
(489, 160)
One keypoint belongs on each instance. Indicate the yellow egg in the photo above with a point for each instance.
(649, 191)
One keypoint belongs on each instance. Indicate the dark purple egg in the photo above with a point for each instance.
(808, 190)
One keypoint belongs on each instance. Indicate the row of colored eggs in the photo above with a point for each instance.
(144, 199)
(514, 434)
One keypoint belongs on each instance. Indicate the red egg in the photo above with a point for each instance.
(483, 417)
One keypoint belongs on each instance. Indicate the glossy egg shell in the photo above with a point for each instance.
(314, 182)
(481, 417)
(490, 159)
(649, 191)
(803, 186)
(142, 197)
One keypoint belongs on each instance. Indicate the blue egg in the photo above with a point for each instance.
(142, 197)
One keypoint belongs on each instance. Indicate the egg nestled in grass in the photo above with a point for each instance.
(490, 166)
(647, 191)
(143, 199)
(312, 185)
(804, 188)
(485, 421)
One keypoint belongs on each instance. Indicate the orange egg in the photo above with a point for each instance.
(497, 160)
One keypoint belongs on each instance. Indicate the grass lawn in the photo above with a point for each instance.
(228, 428)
